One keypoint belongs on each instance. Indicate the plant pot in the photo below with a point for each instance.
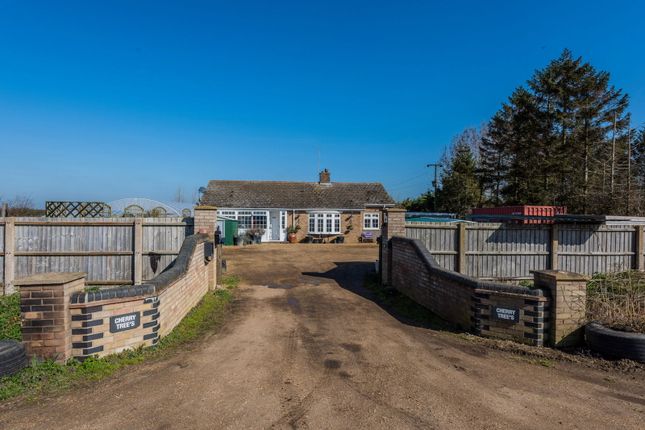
(292, 238)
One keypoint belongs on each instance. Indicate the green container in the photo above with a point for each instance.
(230, 231)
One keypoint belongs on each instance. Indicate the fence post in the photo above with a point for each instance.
(640, 258)
(553, 251)
(461, 248)
(9, 257)
(138, 251)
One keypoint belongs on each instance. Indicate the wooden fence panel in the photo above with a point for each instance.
(441, 238)
(513, 250)
(103, 248)
(589, 250)
(162, 239)
(506, 250)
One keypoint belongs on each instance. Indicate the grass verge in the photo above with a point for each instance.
(10, 317)
(47, 377)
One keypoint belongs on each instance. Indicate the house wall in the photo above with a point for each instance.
(347, 218)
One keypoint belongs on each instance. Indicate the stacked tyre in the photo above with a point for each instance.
(615, 344)
(12, 357)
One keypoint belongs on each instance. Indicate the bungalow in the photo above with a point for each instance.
(322, 209)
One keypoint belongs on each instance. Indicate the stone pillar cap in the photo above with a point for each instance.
(49, 278)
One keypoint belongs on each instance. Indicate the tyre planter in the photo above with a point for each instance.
(12, 357)
(615, 344)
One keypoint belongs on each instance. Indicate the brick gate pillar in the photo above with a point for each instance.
(568, 305)
(45, 315)
(393, 225)
(205, 220)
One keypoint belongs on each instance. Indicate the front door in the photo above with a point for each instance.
(275, 225)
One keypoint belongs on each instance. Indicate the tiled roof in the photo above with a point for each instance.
(295, 195)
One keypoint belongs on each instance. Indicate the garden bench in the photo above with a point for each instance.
(367, 236)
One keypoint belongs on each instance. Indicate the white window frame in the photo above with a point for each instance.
(324, 223)
(369, 219)
(249, 215)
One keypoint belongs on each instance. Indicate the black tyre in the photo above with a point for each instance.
(615, 344)
(12, 357)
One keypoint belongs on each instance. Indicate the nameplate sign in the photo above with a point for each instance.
(125, 322)
(506, 314)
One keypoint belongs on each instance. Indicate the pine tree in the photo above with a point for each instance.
(493, 167)
(561, 140)
(459, 184)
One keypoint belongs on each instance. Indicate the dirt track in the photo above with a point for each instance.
(306, 348)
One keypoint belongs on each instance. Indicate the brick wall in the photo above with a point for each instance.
(61, 320)
(179, 298)
(485, 308)
(533, 316)
(91, 333)
(414, 275)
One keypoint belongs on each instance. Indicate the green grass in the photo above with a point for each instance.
(48, 377)
(402, 306)
(10, 317)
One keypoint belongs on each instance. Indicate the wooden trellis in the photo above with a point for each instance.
(77, 210)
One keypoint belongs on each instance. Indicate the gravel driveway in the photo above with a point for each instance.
(305, 347)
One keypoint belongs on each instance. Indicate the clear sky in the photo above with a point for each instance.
(104, 100)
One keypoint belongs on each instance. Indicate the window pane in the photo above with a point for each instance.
(244, 221)
(312, 224)
(260, 220)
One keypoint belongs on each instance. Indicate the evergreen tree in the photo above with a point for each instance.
(493, 167)
(561, 140)
(459, 184)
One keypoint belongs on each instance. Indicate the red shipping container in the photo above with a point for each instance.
(521, 211)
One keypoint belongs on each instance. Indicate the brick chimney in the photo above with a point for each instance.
(325, 177)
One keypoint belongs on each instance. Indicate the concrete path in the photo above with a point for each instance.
(305, 347)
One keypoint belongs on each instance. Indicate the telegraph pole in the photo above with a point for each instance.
(434, 184)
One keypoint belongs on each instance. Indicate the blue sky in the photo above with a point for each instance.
(104, 100)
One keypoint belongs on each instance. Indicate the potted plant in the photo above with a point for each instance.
(255, 235)
(292, 233)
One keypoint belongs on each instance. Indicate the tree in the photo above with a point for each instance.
(423, 203)
(561, 139)
(460, 189)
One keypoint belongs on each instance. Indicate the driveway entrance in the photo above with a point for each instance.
(306, 347)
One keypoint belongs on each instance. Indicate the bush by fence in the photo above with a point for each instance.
(617, 300)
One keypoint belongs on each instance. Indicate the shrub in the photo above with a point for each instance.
(617, 300)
